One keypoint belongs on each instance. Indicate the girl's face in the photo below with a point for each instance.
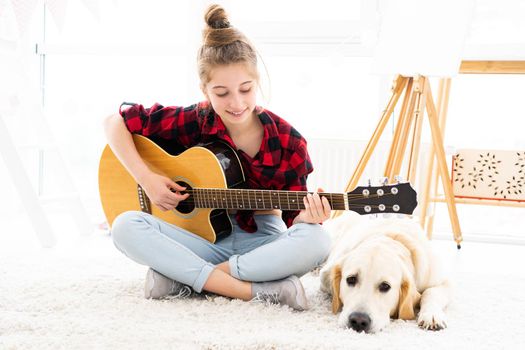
(232, 94)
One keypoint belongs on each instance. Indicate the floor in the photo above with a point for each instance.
(62, 297)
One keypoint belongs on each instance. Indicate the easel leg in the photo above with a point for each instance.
(405, 132)
(442, 164)
(398, 87)
(400, 132)
(432, 177)
(418, 114)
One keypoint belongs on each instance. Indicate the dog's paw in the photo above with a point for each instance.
(432, 320)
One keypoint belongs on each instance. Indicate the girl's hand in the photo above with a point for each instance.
(162, 191)
(316, 210)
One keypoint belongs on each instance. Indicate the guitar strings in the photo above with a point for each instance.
(337, 196)
(298, 193)
(268, 203)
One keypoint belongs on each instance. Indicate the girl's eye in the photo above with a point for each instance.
(222, 95)
(246, 91)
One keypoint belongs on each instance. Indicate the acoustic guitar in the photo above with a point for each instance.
(213, 176)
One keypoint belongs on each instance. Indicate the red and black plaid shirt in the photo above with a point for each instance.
(282, 162)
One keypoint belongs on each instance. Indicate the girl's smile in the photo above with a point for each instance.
(231, 91)
(237, 114)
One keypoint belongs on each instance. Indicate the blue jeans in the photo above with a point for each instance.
(273, 252)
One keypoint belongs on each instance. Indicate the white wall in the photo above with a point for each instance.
(317, 56)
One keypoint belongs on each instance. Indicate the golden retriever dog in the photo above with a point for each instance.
(380, 269)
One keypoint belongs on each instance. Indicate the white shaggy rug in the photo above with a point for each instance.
(89, 296)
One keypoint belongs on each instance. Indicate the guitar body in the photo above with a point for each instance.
(214, 166)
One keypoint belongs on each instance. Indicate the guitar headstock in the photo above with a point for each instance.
(398, 198)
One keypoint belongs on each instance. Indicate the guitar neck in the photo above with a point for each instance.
(243, 199)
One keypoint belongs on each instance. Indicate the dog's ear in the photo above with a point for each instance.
(408, 299)
(417, 255)
(335, 275)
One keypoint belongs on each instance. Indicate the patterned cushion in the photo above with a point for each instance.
(489, 174)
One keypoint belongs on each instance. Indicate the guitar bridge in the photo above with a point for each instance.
(145, 204)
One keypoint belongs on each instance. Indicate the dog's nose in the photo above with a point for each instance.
(359, 321)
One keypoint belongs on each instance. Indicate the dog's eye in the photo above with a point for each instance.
(351, 281)
(384, 287)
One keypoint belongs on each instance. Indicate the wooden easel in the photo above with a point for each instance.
(430, 192)
(417, 97)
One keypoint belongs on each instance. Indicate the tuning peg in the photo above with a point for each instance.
(398, 178)
(369, 183)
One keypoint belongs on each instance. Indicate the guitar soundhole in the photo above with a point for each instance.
(186, 206)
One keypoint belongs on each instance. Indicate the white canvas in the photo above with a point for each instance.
(422, 37)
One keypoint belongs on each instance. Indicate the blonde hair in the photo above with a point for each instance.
(223, 45)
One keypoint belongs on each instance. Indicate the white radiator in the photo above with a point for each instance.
(336, 160)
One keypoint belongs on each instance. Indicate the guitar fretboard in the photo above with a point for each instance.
(257, 199)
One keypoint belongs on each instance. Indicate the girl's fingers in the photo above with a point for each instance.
(306, 205)
(318, 205)
(311, 206)
(317, 208)
(162, 207)
(175, 186)
(326, 207)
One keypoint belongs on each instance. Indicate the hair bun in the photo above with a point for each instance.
(216, 17)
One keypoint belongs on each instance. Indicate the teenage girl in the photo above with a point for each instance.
(266, 251)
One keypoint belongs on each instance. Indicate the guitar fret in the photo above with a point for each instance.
(261, 199)
(287, 201)
(224, 199)
(213, 198)
(198, 198)
(239, 205)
